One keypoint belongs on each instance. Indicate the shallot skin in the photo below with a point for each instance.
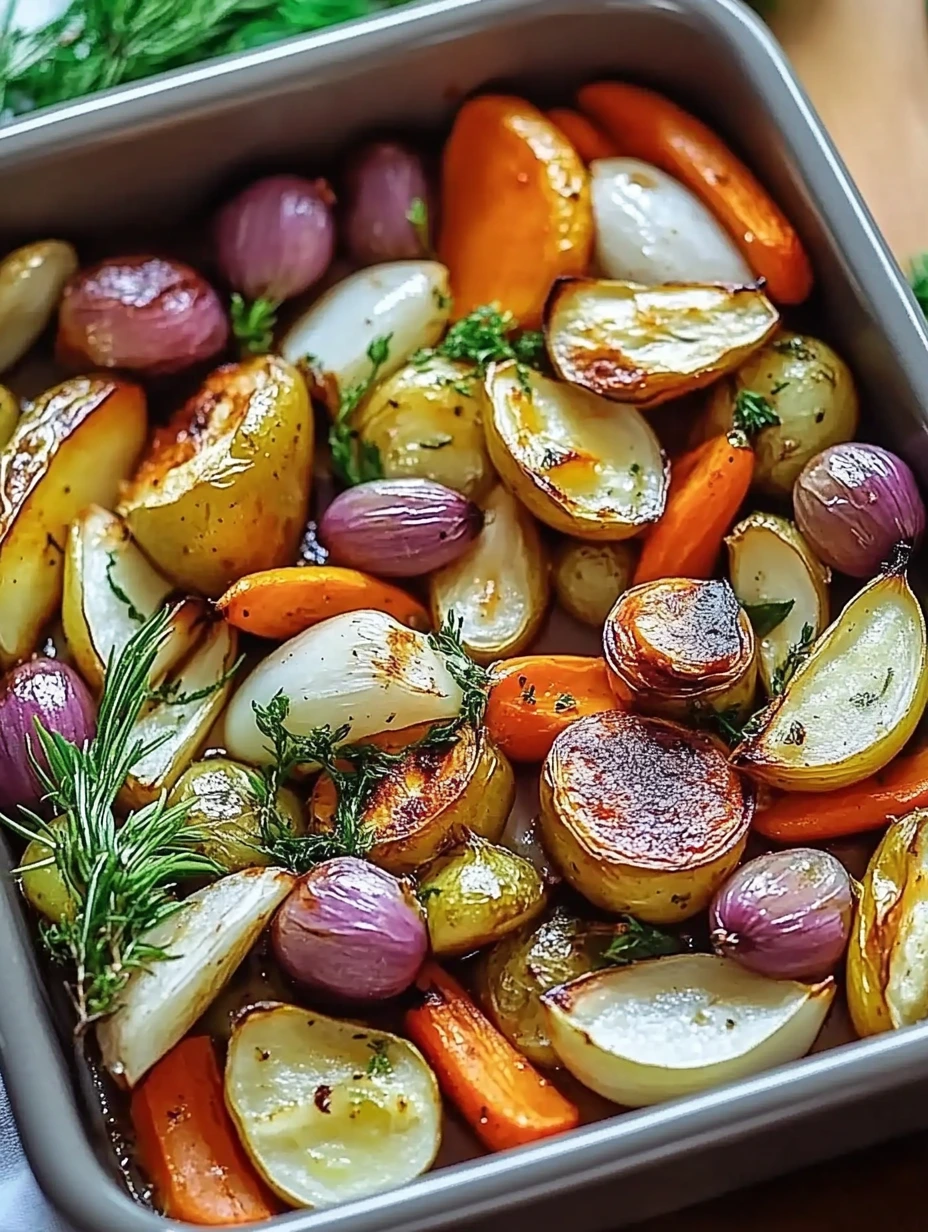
(383, 181)
(785, 914)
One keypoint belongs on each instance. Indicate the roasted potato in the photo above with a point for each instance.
(680, 646)
(70, 449)
(811, 391)
(425, 422)
(578, 462)
(477, 893)
(642, 815)
(44, 887)
(223, 809)
(499, 588)
(589, 577)
(647, 345)
(9, 415)
(224, 487)
(31, 281)
(428, 798)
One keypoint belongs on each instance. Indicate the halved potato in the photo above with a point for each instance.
(671, 1027)
(499, 588)
(179, 726)
(327, 1110)
(578, 462)
(642, 815)
(853, 703)
(477, 893)
(771, 564)
(406, 302)
(589, 577)
(425, 423)
(70, 448)
(428, 797)
(679, 646)
(224, 487)
(646, 345)
(206, 939)
(110, 588)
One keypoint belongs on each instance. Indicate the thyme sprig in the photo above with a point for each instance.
(119, 877)
(355, 460)
(753, 412)
(253, 323)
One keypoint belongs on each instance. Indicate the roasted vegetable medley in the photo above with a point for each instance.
(446, 702)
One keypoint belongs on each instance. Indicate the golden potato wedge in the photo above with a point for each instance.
(680, 646)
(499, 588)
(425, 422)
(224, 488)
(70, 448)
(647, 345)
(589, 577)
(642, 815)
(578, 462)
(428, 798)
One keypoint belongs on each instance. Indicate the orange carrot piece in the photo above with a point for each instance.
(644, 124)
(188, 1145)
(701, 507)
(279, 603)
(589, 141)
(533, 698)
(814, 817)
(501, 1096)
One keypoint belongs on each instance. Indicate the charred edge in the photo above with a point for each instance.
(897, 563)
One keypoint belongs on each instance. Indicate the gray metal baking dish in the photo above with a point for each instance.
(154, 152)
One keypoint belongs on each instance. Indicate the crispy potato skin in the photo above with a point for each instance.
(680, 643)
(224, 487)
(642, 815)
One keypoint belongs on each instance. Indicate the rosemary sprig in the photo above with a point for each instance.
(119, 878)
(753, 412)
(354, 460)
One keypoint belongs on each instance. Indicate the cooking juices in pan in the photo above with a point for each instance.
(564, 376)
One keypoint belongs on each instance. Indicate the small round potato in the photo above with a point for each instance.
(44, 888)
(589, 577)
(642, 815)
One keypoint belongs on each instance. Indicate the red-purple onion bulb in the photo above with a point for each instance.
(387, 204)
(350, 930)
(854, 503)
(53, 693)
(785, 914)
(399, 527)
(276, 238)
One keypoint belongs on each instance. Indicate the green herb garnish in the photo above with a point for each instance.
(486, 336)
(253, 324)
(753, 412)
(866, 699)
(765, 617)
(354, 460)
(169, 693)
(380, 1065)
(131, 610)
(796, 656)
(564, 702)
(636, 941)
(418, 217)
(424, 893)
(119, 877)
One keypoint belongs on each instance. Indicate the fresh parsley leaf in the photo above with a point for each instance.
(564, 702)
(485, 336)
(380, 1065)
(753, 412)
(253, 324)
(765, 617)
(634, 941)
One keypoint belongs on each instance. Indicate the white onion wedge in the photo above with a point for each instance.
(407, 301)
(650, 228)
(673, 1026)
(329, 1111)
(206, 938)
(363, 669)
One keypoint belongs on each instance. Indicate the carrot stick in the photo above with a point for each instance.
(188, 1145)
(532, 700)
(646, 125)
(279, 603)
(700, 509)
(806, 816)
(589, 141)
(504, 1100)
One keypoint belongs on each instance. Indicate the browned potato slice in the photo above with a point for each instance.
(679, 645)
(642, 815)
(648, 344)
(70, 449)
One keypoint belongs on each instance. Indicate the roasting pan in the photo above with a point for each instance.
(150, 155)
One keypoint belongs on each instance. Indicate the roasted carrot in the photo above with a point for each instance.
(516, 209)
(532, 700)
(188, 1145)
(701, 507)
(589, 141)
(644, 124)
(279, 603)
(504, 1100)
(814, 817)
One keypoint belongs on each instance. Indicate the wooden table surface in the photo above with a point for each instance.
(865, 66)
